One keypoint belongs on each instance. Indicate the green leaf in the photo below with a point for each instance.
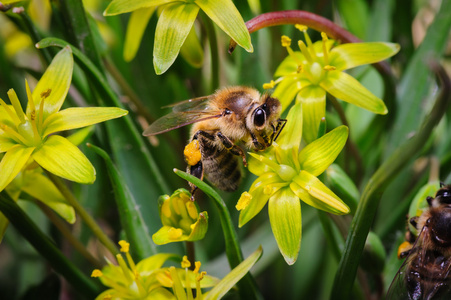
(317, 156)
(346, 56)
(135, 29)
(354, 14)
(228, 18)
(174, 24)
(12, 162)
(285, 216)
(77, 117)
(123, 6)
(130, 214)
(347, 88)
(60, 157)
(25, 226)
(54, 84)
(343, 186)
(234, 276)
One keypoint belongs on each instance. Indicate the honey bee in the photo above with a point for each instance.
(425, 274)
(229, 116)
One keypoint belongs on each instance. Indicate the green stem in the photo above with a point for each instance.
(191, 253)
(98, 232)
(62, 227)
(366, 210)
(211, 33)
(248, 286)
(330, 236)
(46, 247)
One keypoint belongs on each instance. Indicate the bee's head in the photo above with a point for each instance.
(443, 195)
(265, 114)
(440, 225)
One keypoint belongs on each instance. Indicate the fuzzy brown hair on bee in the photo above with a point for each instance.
(231, 116)
(426, 272)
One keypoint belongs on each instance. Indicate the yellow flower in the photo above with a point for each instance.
(175, 25)
(31, 134)
(287, 175)
(181, 219)
(318, 68)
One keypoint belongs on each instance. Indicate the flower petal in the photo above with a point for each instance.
(228, 18)
(40, 187)
(199, 229)
(135, 29)
(191, 50)
(313, 99)
(122, 6)
(148, 265)
(5, 142)
(287, 89)
(347, 88)
(174, 24)
(313, 192)
(164, 236)
(54, 84)
(351, 55)
(260, 196)
(291, 135)
(285, 216)
(60, 157)
(256, 167)
(77, 117)
(12, 163)
(290, 64)
(317, 156)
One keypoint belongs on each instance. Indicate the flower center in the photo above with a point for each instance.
(285, 172)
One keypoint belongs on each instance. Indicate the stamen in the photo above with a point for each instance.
(177, 286)
(244, 201)
(142, 290)
(41, 112)
(329, 68)
(16, 104)
(185, 262)
(189, 292)
(32, 112)
(269, 85)
(325, 52)
(305, 51)
(11, 114)
(192, 210)
(13, 134)
(301, 27)
(125, 269)
(197, 265)
(174, 233)
(96, 273)
(130, 261)
(286, 41)
(125, 247)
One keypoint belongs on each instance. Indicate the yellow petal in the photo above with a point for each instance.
(313, 99)
(78, 117)
(53, 86)
(135, 29)
(60, 157)
(12, 163)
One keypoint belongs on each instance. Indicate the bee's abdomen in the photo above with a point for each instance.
(222, 168)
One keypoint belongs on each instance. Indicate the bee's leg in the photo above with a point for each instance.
(258, 146)
(197, 171)
(230, 146)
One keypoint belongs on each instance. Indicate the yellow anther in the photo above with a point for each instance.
(269, 85)
(329, 68)
(201, 276)
(192, 210)
(244, 201)
(301, 27)
(299, 69)
(192, 153)
(166, 207)
(324, 36)
(46, 93)
(197, 265)
(185, 262)
(96, 273)
(174, 233)
(286, 41)
(124, 246)
(107, 297)
(267, 190)
(164, 278)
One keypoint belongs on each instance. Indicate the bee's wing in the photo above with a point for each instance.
(183, 113)
(199, 103)
(398, 289)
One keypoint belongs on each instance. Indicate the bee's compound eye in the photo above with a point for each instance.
(259, 117)
(445, 195)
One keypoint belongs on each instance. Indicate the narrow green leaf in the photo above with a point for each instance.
(234, 276)
(123, 6)
(130, 215)
(47, 248)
